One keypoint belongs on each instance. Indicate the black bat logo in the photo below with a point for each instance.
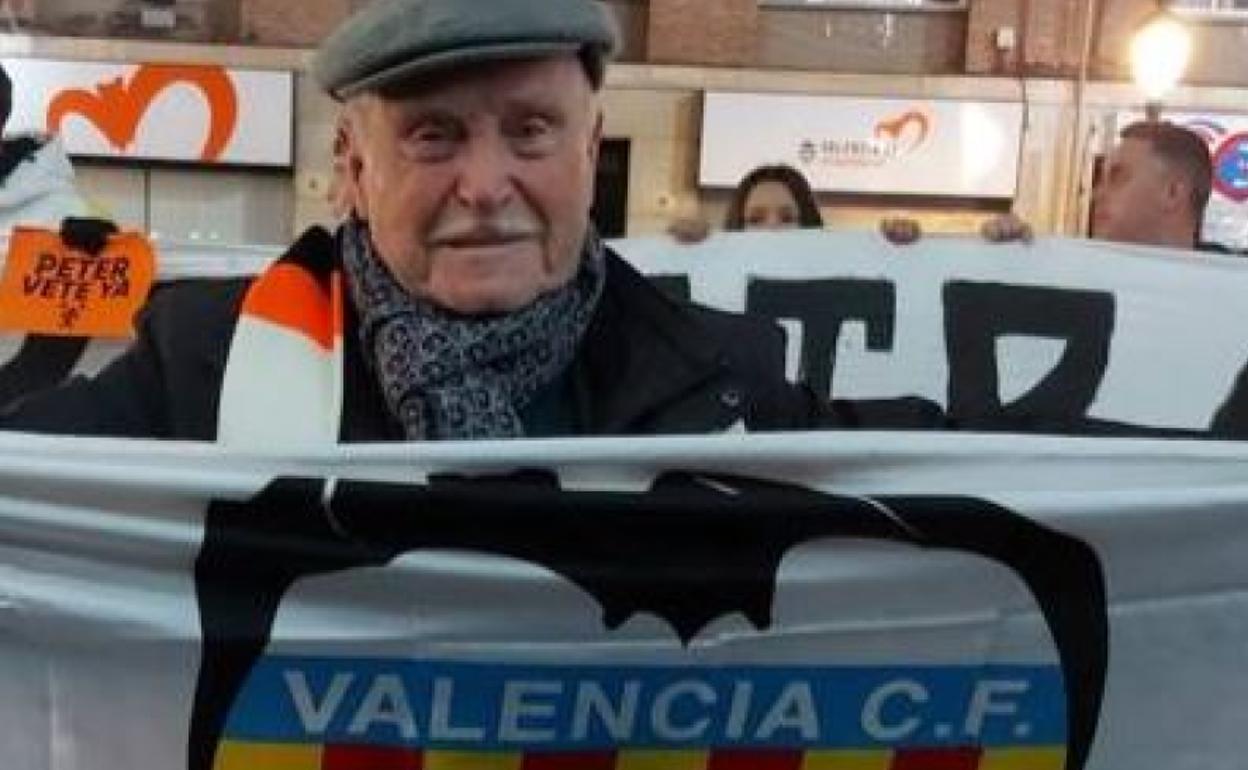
(689, 550)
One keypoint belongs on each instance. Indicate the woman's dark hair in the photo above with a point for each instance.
(6, 97)
(807, 210)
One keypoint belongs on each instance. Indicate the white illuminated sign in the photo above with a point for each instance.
(159, 111)
(861, 145)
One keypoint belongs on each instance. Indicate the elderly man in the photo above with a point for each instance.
(468, 296)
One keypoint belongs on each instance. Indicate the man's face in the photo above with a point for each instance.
(477, 188)
(1136, 199)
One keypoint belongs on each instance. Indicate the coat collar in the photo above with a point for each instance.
(638, 333)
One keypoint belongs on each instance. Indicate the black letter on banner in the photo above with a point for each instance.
(978, 314)
(690, 550)
(674, 285)
(43, 361)
(1231, 419)
(823, 307)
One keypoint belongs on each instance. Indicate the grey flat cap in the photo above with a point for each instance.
(393, 41)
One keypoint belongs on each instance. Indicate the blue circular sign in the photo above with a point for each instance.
(1230, 168)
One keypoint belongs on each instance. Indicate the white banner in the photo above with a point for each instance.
(856, 144)
(1060, 328)
(156, 111)
(1058, 331)
(802, 601)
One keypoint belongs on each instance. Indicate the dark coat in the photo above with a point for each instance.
(647, 365)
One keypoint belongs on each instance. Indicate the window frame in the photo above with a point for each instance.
(891, 6)
(1209, 11)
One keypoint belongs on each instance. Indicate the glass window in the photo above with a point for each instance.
(1213, 9)
(891, 5)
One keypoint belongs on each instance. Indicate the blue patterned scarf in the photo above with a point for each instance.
(450, 376)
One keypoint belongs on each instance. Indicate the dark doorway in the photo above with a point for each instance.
(1098, 170)
(610, 210)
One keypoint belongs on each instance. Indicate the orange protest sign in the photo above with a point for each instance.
(49, 288)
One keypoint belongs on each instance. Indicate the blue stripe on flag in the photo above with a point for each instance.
(525, 707)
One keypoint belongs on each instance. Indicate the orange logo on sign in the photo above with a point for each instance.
(909, 129)
(49, 288)
(116, 108)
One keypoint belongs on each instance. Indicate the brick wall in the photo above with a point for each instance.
(861, 41)
(632, 17)
(985, 19)
(291, 22)
(1048, 36)
(1054, 33)
(714, 32)
(182, 20)
(306, 22)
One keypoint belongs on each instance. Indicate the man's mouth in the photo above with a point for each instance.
(482, 240)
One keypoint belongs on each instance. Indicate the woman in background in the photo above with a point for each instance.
(773, 198)
(768, 198)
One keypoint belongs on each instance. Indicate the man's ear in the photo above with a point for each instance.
(1176, 193)
(595, 140)
(353, 157)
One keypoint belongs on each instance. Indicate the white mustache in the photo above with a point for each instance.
(508, 226)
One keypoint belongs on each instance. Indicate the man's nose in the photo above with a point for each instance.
(485, 174)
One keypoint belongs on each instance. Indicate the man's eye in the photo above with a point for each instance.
(430, 134)
(430, 140)
(533, 133)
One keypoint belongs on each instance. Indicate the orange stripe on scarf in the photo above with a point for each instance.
(289, 296)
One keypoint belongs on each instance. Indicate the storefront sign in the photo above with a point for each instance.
(860, 145)
(165, 112)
